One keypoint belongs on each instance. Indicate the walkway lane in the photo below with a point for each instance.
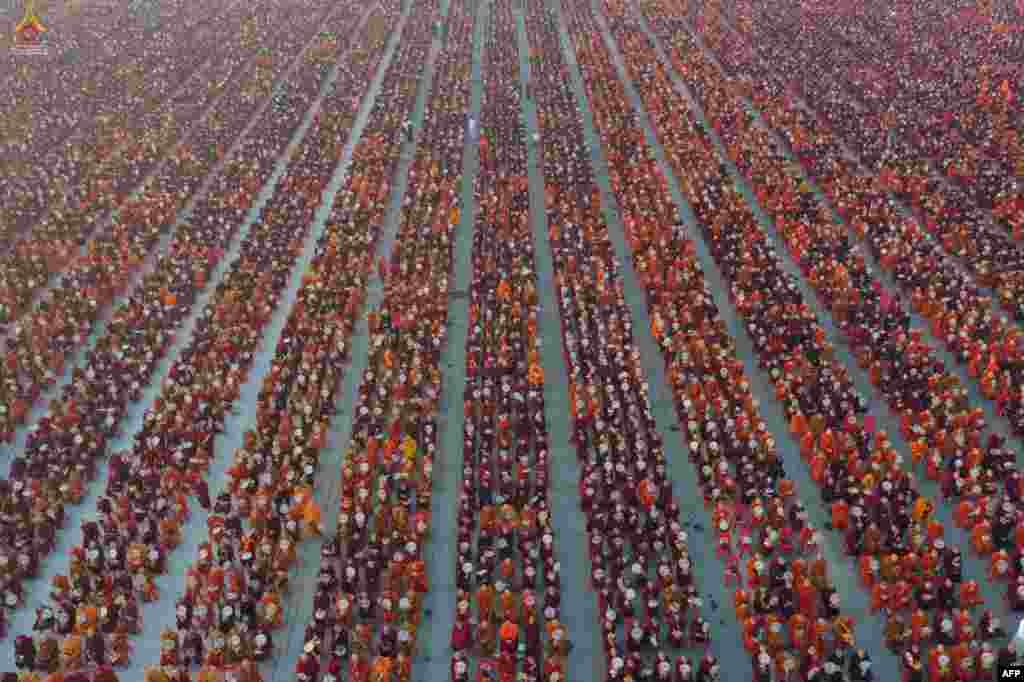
(579, 601)
(996, 422)
(974, 568)
(131, 422)
(433, 660)
(299, 604)
(709, 568)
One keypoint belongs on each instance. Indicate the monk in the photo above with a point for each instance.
(970, 594)
(880, 597)
(807, 596)
(868, 566)
(981, 539)
(485, 600)
(486, 636)
(920, 627)
(999, 567)
(509, 635)
(840, 515)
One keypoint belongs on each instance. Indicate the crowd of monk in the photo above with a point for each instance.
(655, 622)
(96, 606)
(939, 254)
(372, 579)
(943, 429)
(946, 231)
(942, 119)
(789, 609)
(80, 107)
(506, 554)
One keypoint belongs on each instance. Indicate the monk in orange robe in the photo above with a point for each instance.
(840, 515)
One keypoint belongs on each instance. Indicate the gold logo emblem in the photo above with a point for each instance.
(29, 33)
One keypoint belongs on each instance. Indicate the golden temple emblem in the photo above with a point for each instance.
(28, 34)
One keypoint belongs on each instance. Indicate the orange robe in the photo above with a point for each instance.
(840, 515)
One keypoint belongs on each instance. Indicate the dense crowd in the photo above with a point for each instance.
(988, 345)
(96, 606)
(372, 579)
(236, 588)
(796, 137)
(654, 621)
(920, 253)
(63, 447)
(506, 557)
(787, 605)
(45, 337)
(944, 126)
(81, 118)
(943, 430)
